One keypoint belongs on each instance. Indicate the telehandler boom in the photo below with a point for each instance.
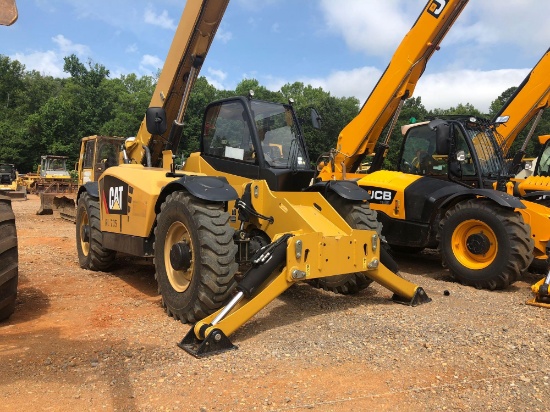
(241, 208)
(470, 226)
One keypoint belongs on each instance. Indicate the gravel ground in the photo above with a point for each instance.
(82, 340)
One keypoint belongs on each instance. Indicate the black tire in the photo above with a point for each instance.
(358, 216)
(9, 266)
(91, 253)
(539, 266)
(406, 249)
(207, 278)
(484, 245)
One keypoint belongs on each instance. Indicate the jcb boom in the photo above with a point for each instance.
(397, 84)
(241, 207)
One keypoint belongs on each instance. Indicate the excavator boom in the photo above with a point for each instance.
(194, 34)
(531, 98)
(397, 83)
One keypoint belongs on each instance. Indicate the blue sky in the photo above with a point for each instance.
(342, 46)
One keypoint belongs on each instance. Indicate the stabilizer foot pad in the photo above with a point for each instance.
(420, 297)
(216, 342)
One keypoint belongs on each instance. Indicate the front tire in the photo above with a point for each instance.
(194, 257)
(358, 216)
(91, 253)
(484, 245)
(9, 262)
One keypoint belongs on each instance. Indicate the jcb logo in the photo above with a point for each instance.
(436, 7)
(382, 196)
(115, 197)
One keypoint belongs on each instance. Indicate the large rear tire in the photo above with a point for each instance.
(484, 245)
(194, 257)
(358, 216)
(91, 253)
(8, 259)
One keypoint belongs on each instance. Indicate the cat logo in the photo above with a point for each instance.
(381, 196)
(115, 197)
(436, 7)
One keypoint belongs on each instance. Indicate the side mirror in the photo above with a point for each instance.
(315, 119)
(155, 120)
(442, 136)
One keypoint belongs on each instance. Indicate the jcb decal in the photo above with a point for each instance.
(381, 196)
(436, 7)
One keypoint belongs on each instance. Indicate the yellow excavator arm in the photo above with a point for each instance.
(193, 37)
(529, 101)
(396, 85)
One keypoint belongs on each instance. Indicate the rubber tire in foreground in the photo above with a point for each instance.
(91, 253)
(509, 255)
(358, 216)
(8, 259)
(190, 294)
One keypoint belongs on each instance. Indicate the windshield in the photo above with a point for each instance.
(278, 134)
(489, 155)
(228, 133)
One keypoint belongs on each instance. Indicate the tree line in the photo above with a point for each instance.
(45, 115)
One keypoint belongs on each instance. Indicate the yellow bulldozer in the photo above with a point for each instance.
(10, 182)
(240, 222)
(97, 154)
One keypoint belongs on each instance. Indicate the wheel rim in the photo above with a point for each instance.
(474, 244)
(84, 223)
(179, 279)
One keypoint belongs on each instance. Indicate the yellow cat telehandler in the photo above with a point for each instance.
(483, 235)
(242, 209)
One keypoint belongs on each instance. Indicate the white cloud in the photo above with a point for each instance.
(223, 35)
(479, 88)
(131, 48)
(47, 63)
(375, 28)
(216, 78)
(66, 46)
(50, 62)
(438, 91)
(161, 20)
(150, 64)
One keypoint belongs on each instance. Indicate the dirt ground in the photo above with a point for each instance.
(82, 340)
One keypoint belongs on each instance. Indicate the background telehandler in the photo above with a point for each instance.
(241, 208)
(482, 234)
(475, 155)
